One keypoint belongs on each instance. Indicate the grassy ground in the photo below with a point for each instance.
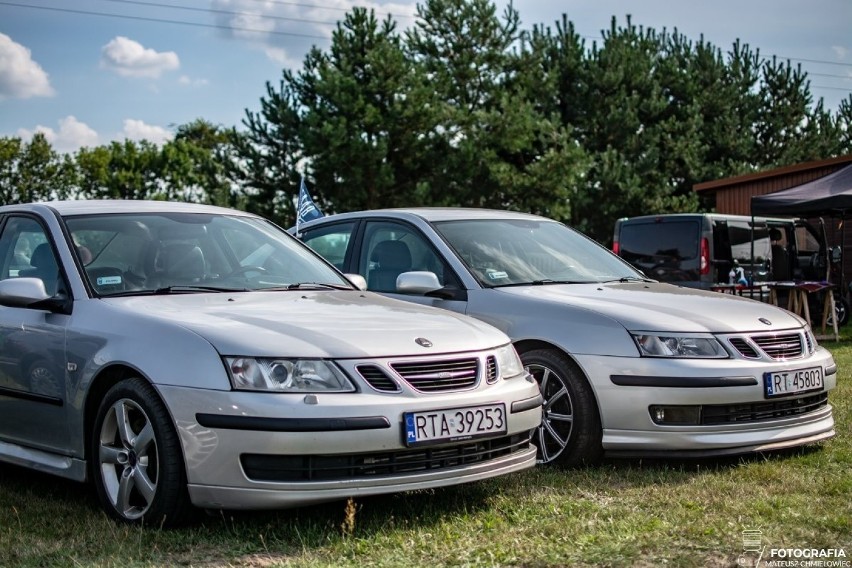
(623, 513)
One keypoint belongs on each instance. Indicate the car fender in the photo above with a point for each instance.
(573, 329)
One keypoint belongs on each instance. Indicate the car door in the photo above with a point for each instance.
(387, 248)
(32, 343)
(332, 241)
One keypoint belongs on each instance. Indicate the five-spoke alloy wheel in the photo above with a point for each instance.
(137, 463)
(570, 430)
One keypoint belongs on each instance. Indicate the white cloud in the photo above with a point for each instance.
(190, 82)
(20, 76)
(130, 58)
(840, 51)
(270, 26)
(71, 136)
(137, 130)
(281, 57)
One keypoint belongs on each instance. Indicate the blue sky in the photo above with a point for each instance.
(85, 78)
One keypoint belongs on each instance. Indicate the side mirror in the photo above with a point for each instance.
(22, 292)
(417, 282)
(357, 280)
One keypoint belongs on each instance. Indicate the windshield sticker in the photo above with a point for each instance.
(108, 280)
(496, 274)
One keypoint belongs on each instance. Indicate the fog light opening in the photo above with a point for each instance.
(676, 415)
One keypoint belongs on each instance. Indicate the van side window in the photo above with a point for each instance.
(740, 235)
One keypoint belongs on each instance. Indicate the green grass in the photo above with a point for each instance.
(623, 513)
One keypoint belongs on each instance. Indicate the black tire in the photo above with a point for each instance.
(136, 458)
(570, 431)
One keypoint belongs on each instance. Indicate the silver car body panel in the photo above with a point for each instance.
(211, 466)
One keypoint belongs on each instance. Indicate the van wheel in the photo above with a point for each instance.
(136, 459)
(570, 430)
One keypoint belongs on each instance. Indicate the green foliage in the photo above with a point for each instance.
(195, 166)
(467, 109)
(32, 171)
(122, 170)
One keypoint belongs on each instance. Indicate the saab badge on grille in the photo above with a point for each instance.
(764, 320)
(423, 342)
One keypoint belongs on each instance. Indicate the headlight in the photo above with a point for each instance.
(286, 375)
(508, 362)
(688, 347)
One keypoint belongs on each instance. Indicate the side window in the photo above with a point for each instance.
(331, 242)
(741, 233)
(27, 253)
(390, 249)
(806, 243)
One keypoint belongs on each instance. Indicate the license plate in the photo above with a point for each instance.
(450, 425)
(785, 383)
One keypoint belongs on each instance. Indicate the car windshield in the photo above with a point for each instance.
(511, 252)
(130, 254)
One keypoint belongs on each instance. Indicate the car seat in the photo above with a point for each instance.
(44, 267)
(179, 264)
(391, 258)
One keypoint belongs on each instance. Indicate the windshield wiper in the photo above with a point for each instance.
(188, 289)
(307, 286)
(542, 282)
(626, 279)
(191, 288)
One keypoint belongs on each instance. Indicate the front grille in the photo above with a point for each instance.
(780, 346)
(439, 376)
(745, 349)
(809, 343)
(491, 369)
(758, 411)
(377, 378)
(265, 467)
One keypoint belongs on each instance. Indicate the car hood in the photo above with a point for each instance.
(651, 306)
(324, 324)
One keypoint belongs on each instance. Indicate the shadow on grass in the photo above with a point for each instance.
(370, 516)
(33, 499)
(717, 463)
(27, 484)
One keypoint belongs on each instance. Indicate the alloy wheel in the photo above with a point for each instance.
(128, 458)
(557, 422)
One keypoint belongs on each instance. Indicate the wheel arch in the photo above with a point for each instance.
(524, 345)
(102, 382)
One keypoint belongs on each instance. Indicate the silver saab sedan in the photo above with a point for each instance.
(184, 355)
(627, 366)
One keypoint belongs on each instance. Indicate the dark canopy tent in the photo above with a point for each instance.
(828, 195)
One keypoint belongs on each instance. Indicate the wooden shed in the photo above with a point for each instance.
(733, 195)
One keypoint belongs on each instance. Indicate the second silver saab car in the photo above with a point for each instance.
(184, 355)
(627, 365)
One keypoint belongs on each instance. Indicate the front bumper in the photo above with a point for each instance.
(628, 429)
(324, 427)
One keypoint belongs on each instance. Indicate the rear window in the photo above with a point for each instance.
(642, 242)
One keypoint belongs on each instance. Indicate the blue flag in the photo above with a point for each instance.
(306, 210)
